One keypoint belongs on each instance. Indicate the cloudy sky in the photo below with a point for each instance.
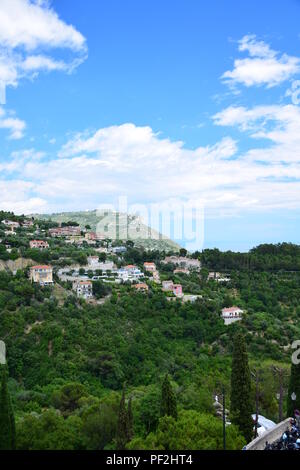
(157, 101)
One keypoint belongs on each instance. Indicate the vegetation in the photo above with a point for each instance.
(168, 400)
(240, 398)
(7, 419)
(293, 397)
(68, 359)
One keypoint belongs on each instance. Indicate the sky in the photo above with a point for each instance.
(173, 103)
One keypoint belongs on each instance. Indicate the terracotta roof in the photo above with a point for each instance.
(231, 309)
(41, 267)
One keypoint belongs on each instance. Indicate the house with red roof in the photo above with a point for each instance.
(42, 274)
(232, 314)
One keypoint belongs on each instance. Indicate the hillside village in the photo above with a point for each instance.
(82, 314)
(96, 265)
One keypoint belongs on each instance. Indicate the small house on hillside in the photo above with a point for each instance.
(142, 287)
(83, 289)
(232, 315)
(150, 267)
(42, 275)
(39, 244)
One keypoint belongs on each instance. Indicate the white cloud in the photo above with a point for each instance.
(39, 62)
(15, 126)
(137, 162)
(27, 27)
(264, 66)
(29, 24)
(280, 124)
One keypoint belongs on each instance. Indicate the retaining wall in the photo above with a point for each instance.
(271, 436)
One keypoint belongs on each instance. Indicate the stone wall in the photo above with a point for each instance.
(271, 436)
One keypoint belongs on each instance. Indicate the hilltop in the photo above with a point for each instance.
(145, 236)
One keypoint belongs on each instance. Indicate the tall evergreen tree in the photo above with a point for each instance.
(168, 399)
(122, 429)
(7, 419)
(294, 387)
(240, 399)
(130, 420)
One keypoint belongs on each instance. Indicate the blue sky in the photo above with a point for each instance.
(157, 101)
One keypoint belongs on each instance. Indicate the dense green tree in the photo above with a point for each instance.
(67, 398)
(130, 420)
(49, 431)
(294, 388)
(7, 419)
(99, 427)
(191, 431)
(240, 398)
(168, 399)
(183, 252)
(122, 428)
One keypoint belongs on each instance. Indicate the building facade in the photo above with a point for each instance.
(71, 231)
(39, 244)
(150, 267)
(42, 275)
(232, 315)
(83, 289)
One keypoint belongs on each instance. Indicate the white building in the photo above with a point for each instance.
(167, 286)
(94, 265)
(11, 224)
(83, 289)
(130, 273)
(232, 315)
(118, 250)
(93, 261)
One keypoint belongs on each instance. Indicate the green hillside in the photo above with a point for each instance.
(69, 359)
(117, 222)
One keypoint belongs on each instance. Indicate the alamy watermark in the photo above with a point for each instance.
(2, 353)
(294, 92)
(177, 220)
(296, 354)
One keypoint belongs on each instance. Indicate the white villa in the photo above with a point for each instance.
(83, 289)
(130, 273)
(232, 315)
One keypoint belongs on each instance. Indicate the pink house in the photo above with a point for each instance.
(177, 290)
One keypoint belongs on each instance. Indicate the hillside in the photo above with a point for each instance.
(69, 358)
(117, 223)
(14, 266)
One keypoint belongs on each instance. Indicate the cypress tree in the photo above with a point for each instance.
(130, 420)
(241, 403)
(294, 387)
(7, 419)
(168, 399)
(122, 428)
